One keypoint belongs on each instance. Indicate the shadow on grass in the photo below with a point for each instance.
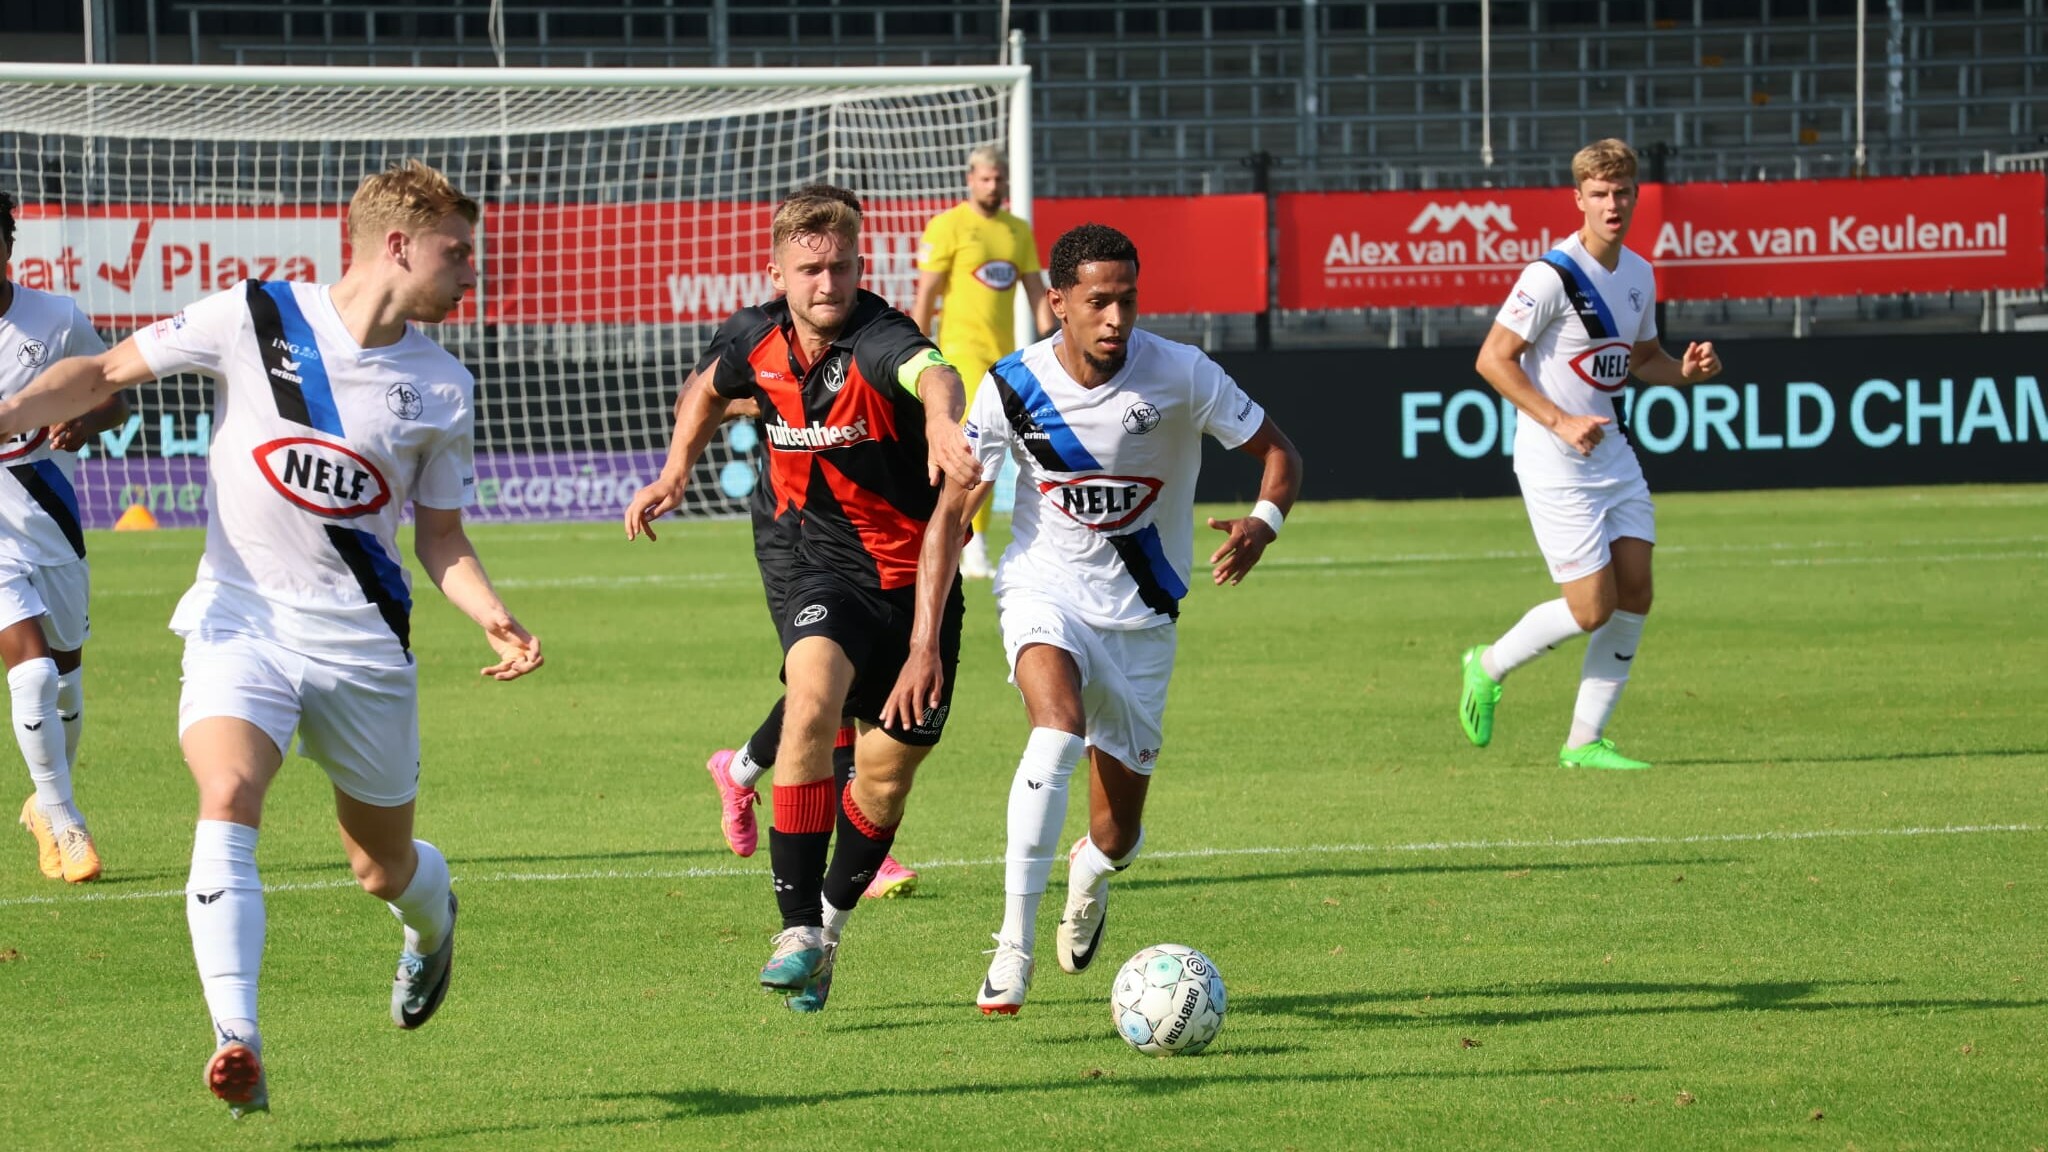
(1124, 884)
(1508, 1004)
(703, 1103)
(1866, 758)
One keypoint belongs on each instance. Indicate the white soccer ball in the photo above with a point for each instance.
(1168, 1001)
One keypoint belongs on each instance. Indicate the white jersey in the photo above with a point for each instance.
(38, 505)
(1104, 523)
(1581, 322)
(318, 444)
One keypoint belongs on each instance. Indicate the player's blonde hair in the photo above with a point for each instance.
(814, 210)
(410, 196)
(1608, 159)
(988, 156)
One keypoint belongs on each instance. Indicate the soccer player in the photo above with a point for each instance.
(1578, 324)
(974, 255)
(331, 414)
(1105, 422)
(44, 579)
(861, 413)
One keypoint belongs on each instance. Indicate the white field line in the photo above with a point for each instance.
(1428, 846)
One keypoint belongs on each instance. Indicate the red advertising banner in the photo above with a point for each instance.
(1197, 253)
(1707, 241)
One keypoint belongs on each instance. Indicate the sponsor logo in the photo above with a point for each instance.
(811, 614)
(1624, 659)
(1184, 1013)
(302, 351)
(1604, 366)
(23, 444)
(404, 401)
(1528, 301)
(1141, 418)
(816, 437)
(1246, 410)
(32, 353)
(1449, 216)
(970, 429)
(1147, 755)
(1034, 785)
(35, 727)
(1103, 503)
(1000, 275)
(162, 329)
(835, 374)
(323, 477)
(208, 898)
(1635, 298)
(767, 375)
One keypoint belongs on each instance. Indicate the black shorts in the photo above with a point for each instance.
(873, 629)
(775, 554)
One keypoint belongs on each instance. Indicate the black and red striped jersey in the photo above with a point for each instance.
(845, 437)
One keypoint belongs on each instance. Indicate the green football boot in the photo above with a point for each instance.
(1599, 754)
(1476, 701)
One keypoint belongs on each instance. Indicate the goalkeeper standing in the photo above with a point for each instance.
(974, 255)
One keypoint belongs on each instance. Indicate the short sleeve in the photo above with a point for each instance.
(1538, 299)
(1222, 407)
(733, 374)
(935, 251)
(448, 474)
(887, 345)
(1027, 250)
(196, 339)
(1647, 330)
(988, 429)
(82, 340)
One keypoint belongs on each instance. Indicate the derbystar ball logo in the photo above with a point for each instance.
(1103, 503)
(1604, 366)
(1482, 217)
(23, 444)
(816, 437)
(322, 477)
(997, 274)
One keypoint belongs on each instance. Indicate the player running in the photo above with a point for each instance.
(331, 414)
(859, 410)
(974, 255)
(1578, 324)
(44, 579)
(1105, 422)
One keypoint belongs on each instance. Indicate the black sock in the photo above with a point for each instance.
(842, 772)
(797, 861)
(762, 745)
(855, 858)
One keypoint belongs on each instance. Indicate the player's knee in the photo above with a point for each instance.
(236, 799)
(380, 878)
(1590, 617)
(1637, 599)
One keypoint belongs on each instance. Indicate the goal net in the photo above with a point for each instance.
(625, 214)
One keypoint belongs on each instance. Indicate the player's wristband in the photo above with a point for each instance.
(1269, 513)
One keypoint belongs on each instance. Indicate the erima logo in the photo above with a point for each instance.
(35, 727)
(811, 614)
(1034, 785)
(322, 477)
(1103, 503)
(209, 897)
(1000, 275)
(1604, 366)
(1624, 659)
(1448, 216)
(814, 437)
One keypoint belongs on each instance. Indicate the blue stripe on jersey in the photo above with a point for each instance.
(1586, 290)
(312, 372)
(1039, 407)
(54, 477)
(1162, 569)
(390, 577)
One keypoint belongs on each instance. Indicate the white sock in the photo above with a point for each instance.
(71, 710)
(32, 685)
(1089, 865)
(224, 909)
(835, 920)
(1610, 653)
(1538, 631)
(744, 769)
(423, 906)
(1038, 810)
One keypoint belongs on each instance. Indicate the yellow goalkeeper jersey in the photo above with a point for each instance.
(982, 257)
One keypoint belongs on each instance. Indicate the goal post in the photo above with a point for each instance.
(625, 213)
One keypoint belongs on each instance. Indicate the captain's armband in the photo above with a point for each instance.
(906, 376)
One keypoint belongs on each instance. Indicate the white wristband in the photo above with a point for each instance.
(1269, 512)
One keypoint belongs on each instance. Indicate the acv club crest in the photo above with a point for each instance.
(404, 401)
(1140, 418)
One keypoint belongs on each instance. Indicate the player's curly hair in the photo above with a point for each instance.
(410, 196)
(814, 210)
(6, 218)
(1088, 244)
(1608, 159)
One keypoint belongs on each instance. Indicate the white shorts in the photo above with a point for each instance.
(58, 594)
(359, 722)
(1123, 675)
(1576, 524)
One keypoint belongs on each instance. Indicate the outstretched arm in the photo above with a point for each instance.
(450, 561)
(1248, 536)
(1650, 363)
(699, 412)
(73, 387)
(920, 684)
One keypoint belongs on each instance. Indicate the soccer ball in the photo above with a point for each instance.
(1168, 1001)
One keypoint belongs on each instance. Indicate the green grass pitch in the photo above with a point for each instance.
(1819, 923)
